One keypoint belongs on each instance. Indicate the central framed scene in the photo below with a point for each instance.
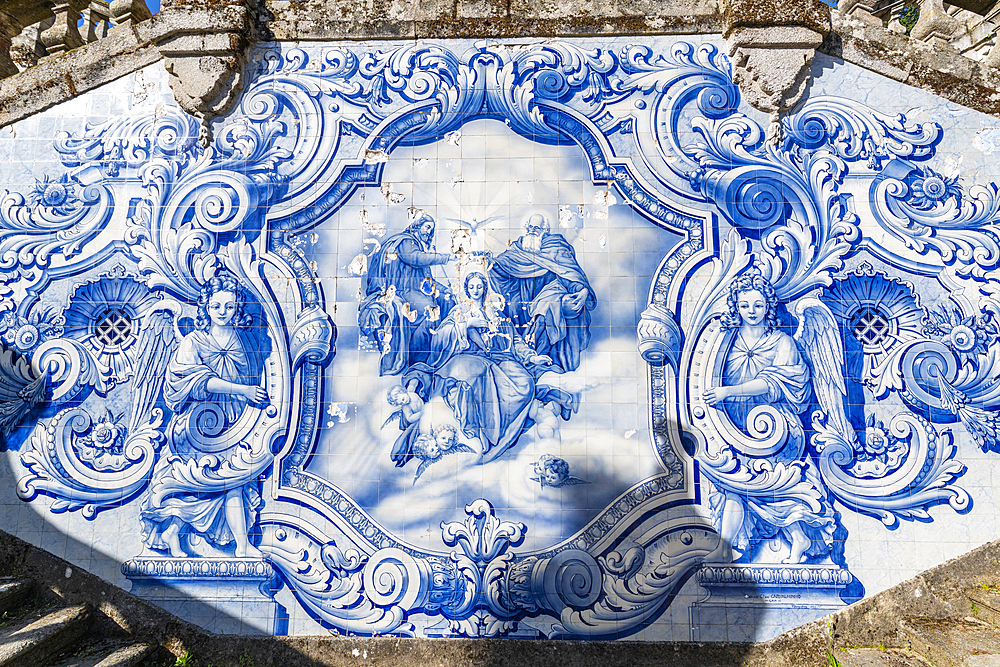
(487, 294)
(485, 252)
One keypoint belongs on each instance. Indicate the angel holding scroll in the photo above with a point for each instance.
(766, 367)
(207, 383)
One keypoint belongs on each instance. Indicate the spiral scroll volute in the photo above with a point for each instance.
(70, 368)
(660, 337)
(571, 578)
(312, 337)
(394, 578)
(924, 365)
(751, 197)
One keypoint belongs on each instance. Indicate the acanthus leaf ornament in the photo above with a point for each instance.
(482, 535)
(791, 214)
(89, 466)
(20, 390)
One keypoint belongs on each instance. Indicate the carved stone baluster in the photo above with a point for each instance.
(860, 9)
(129, 11)
(993, 59)
(895, 16)
(95, 20)
(935, 25)
(64, 35)
(992, 20)
(26, 48)
(9, 28)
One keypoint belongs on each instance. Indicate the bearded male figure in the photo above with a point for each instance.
(549, 298)
(401, 297)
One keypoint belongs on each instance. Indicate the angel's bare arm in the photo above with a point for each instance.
(755, 387)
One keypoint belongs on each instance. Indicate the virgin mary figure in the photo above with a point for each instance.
(484, 372)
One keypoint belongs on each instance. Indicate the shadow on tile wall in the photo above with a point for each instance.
(207, 601)
(574, 353)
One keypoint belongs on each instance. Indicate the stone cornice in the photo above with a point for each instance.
(939, 70)
(127, 48)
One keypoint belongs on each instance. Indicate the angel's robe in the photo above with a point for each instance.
(199, 358)
(776, 359)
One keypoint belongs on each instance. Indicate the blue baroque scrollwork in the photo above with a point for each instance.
(792, 376)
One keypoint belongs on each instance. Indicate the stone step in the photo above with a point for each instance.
(109, 653)
(986, 604)
(982, 661)
(875, 657)
(37, 638)
(13, 593)
(949, 643)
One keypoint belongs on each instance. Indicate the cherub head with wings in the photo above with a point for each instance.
(553, 471)
(446, 437)
(429, 448)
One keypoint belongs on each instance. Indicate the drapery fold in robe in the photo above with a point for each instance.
(400, 295)
(198, 359)
(776, 359)
(534, 284)
(482, 378)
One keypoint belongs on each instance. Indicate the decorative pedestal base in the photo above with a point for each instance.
(750, 602)
(222, 595)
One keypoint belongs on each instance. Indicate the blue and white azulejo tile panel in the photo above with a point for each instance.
(546, 339)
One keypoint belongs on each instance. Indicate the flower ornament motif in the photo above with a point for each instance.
(928, 188)
(968, 337)
(102, 448)
(55, 193)
(25, 334)
(880, 452)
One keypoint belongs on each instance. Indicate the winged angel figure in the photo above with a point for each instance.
(206, 487)
(201, 495)
(766, 367)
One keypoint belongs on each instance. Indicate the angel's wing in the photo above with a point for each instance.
(462, 448)
(570, 481)
(818, 336)
(424, 464)
(397, 417)
(154, 348)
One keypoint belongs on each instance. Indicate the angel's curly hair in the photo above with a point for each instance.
(558, 466)
(447, 428)
(394, 395)
(748, 282)
(422, 446)
(222, 282)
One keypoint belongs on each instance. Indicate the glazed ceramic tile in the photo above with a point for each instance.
(484, 339)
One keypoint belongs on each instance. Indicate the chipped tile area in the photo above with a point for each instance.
(476, 339)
